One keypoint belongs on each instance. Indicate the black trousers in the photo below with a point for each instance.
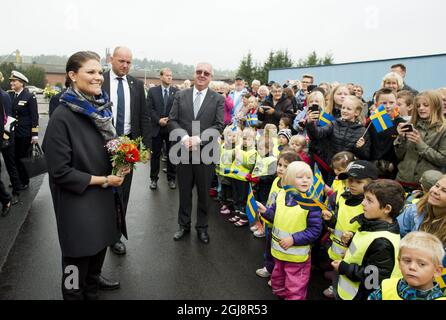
(190, 175)
(240, 191)
(22, 145)
(157, 145)
(89, 271)
(5, 197)
(9, 158)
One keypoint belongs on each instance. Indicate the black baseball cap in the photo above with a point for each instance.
(360, 169)
(239, 78)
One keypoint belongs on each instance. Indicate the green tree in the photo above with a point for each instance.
(278, 59)
(313, 60)
(246, 69)
(35, 75)
(6, 69)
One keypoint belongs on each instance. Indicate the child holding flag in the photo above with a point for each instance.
(295, 229)
(344, 207)
(381, 151)
(285, 158)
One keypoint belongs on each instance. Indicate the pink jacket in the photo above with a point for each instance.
(229, 105)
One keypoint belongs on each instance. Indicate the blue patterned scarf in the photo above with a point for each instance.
(98, 109)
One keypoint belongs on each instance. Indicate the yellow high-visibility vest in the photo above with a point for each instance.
(389, 289)
(288, 220)
(348, 289)
(343, 224)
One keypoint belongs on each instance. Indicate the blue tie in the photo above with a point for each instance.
(120, 116)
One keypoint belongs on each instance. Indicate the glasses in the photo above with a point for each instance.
(202, 72)
(277, 91)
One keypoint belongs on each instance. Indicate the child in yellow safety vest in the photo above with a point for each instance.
(345, 205)
(295, 229)
(285, 158)
(245, 159)
(373, 252)
(420, 259)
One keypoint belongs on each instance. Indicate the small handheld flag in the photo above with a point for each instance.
(317, 189)
(381, 120)
(251, 206)
(251, 120)
(325, 119)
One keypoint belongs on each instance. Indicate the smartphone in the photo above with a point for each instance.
(407, 127)
(314, 108)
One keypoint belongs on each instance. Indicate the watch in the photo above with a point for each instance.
(105, 184)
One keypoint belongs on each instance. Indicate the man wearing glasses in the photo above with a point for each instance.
(194, 111)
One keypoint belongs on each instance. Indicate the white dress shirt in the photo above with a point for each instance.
(114, 98)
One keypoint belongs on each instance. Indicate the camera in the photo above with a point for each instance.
(311, 87)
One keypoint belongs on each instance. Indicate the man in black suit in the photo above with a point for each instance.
(159, 101)
(196, 119)
(130, 113)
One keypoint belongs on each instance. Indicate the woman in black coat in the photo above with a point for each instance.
(88, 209)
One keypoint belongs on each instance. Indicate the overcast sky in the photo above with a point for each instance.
(221, 32)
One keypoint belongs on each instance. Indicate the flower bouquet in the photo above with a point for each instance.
(126, 153)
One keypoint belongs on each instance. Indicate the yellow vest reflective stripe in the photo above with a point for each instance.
(226, 161)
(262, 165)
(276, 151)
(389, 289)
(345, 215)
(288, 220)
(243, 164)
(347, 289)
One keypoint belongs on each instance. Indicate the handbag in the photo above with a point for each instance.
(35, 163)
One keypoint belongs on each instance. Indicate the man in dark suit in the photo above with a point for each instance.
(130, 113)
(196, 118)
(159, 101)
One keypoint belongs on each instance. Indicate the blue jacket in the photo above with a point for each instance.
(409, 219)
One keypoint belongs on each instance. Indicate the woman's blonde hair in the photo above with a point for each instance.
(431, 223)
(436, 104)
(331, 103)
(393, 76)
(424, 241)
(293, 170)
(319, 95)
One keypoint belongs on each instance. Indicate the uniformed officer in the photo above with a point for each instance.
(26, 131)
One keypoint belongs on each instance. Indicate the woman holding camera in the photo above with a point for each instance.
(280, 107)
(421, 144)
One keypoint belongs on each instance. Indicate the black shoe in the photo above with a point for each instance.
(6, 208)
(15, 199)
(153, 185)
(180, 234)
(23, 187)
(203, 236)
(106, 284)
(118, 248)
(165, 170)
(172, 184)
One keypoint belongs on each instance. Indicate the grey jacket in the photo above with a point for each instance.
(430, 154)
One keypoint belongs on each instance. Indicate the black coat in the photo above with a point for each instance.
(155, 103)
(87, 219)
(382, 142)
(283, 108)
(380, 253)
(140, 113)
(342, 136)
(24, 109)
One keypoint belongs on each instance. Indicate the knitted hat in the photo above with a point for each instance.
(286, 133)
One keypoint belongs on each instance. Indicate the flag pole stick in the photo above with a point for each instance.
(367, 129)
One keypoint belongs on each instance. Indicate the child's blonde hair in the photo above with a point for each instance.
(293, 170)
(299, 140)
(424, 241)
(228, 130)
(358, 105)
(317, 94)
(436, 104)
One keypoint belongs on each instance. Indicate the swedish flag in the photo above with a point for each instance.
(251, 206)
(381, 120)
(231, 171)
(441, 280)
(317, 189)
(305, 200)
(325, 119)
(251, 120)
